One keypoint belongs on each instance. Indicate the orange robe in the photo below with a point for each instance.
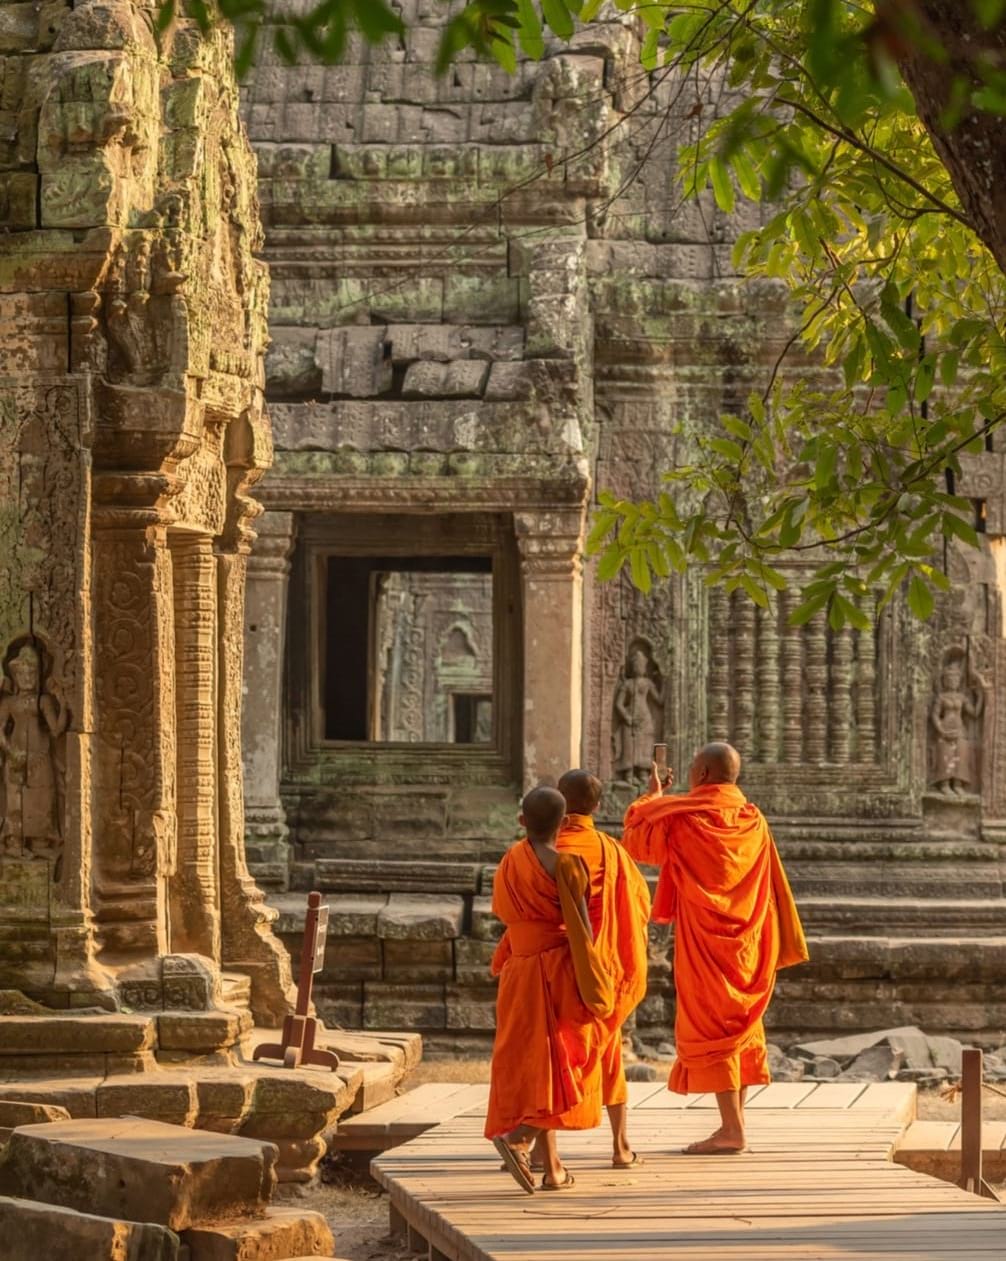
(618, 904)
(553, 1001)
(735, 924)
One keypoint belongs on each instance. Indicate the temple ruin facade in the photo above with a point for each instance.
(489, 303)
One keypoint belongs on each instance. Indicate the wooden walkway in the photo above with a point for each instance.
(818, 1184)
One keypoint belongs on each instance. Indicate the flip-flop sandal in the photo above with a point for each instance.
(629, 1164)
(516, 1164)
(565, 1185)
(534, 1166)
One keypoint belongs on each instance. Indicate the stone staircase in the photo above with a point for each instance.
(111, 1065)
(138, 1188)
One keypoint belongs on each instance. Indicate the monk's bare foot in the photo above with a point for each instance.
(722, 1143)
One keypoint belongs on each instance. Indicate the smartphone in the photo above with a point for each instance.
(660, 758)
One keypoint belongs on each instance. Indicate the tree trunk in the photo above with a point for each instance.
(973, 151)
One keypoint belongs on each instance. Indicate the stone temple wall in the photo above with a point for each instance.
(132, 329)
(489, 301)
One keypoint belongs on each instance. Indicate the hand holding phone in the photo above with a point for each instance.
(661, 775)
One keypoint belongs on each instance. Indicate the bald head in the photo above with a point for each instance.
(541, 812)
(716, 763)
(581, 790)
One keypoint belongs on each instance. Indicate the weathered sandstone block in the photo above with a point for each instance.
(140, 1171)
(281, 1233)
(30, 1230)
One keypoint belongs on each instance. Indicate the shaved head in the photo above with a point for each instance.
(716, 763)
(581, 790)
(541, 812)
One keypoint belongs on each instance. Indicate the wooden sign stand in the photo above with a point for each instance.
(300, 1029)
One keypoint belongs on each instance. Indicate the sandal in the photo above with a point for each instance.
(565, 1185)
(516, 1164)
(628, 1164)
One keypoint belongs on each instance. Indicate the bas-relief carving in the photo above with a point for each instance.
(638, 713)
(955, 723)
(33, 719)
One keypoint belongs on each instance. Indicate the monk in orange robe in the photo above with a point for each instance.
(735, 924)
(553, 1002)
(618, 904)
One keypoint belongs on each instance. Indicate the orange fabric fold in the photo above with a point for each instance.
(723, 887)
(619, 910)
(546, 1065)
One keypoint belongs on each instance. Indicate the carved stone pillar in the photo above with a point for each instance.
(194, 895)
(261, 719)
(249, 944)
(133, 810)
(550, 545)
(792, 676)
(767, 746)
(719, 665)
(744, 653)
(815, 681)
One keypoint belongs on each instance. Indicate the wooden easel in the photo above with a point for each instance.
(299, 1030)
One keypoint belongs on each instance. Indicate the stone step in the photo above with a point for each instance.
(30, 1230)
(378, 1081)
(69, 1034)
(281, 1233)
(137, 1170)
(235, 989)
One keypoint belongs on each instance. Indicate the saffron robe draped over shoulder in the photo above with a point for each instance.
(723, 887)
(553, 1003)
(618, 905)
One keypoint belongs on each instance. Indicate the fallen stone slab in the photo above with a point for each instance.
(139, 1170)
(282, 1233)
(30, 1230)
(879, 1063)
(846, 1049)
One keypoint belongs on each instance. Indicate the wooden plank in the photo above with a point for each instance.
(929, 1136)
(834, 1095)
(667, 1099)
(640, 1091)
(894, 1098)
(782, 1094)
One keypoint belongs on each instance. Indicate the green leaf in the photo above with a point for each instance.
(920, 598)
(723, 189)
(558, 17)
(825, 465)
(813, 605)
(610, 564)
(376, 19)
(729, 449)
(954, 527)
(948, 367)
(165, 15)
(639, 570)
(602, 527)
(530, 34)
(747, 177)
(756, 593)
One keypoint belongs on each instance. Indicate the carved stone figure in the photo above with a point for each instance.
(32, 719)
(954, 718)
(639, 713)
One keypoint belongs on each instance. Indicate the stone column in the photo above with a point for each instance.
(550, 545)
(261, 718)
(249, 944)
(194, 893)
(133, 799)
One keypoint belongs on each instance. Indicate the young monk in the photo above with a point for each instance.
(618, 903)
(553, 1003)
(735, 924)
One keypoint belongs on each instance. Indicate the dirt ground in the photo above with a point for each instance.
(357, 1210)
